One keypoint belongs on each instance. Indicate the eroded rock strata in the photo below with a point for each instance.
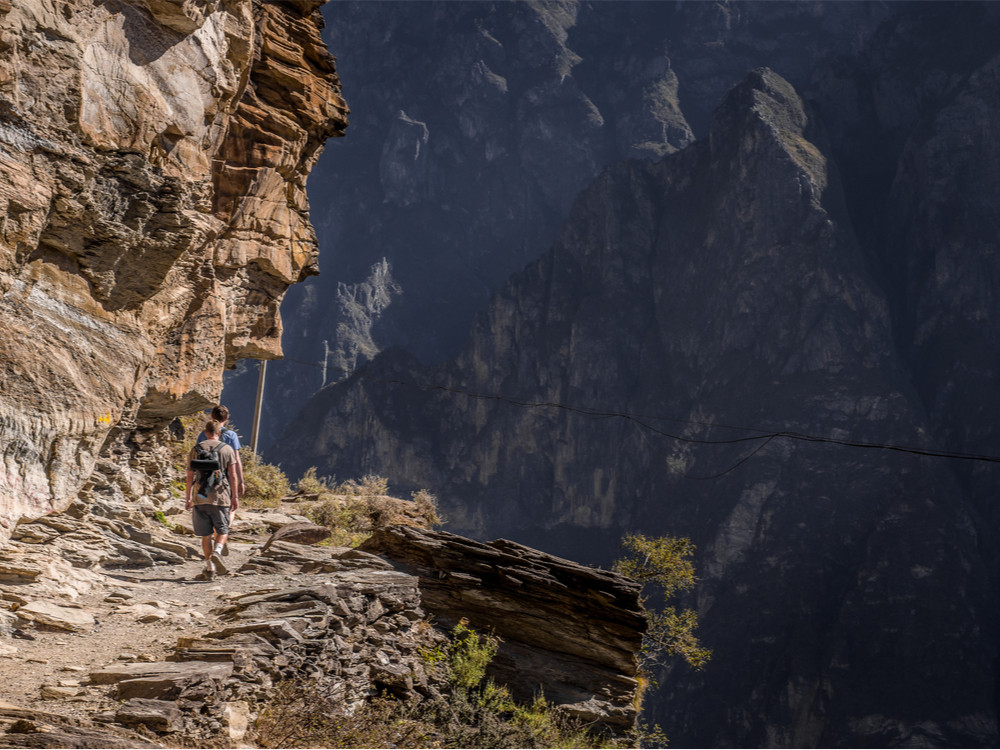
(153, 158)
(124, 631)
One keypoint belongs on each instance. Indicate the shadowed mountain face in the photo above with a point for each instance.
(847, 592)
(476, 125)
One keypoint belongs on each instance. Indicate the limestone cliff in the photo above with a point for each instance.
(153, 158)
(719, 295)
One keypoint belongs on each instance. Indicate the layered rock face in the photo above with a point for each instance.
(567, 631)
(153, 158)
(716, 297)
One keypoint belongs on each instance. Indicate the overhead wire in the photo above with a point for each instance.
(643, 421)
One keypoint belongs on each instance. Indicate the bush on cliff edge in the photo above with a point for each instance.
(464, 710)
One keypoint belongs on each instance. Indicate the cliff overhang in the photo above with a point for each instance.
(153, 159)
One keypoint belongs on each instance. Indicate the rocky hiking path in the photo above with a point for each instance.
(138, 616)
(91, 655)
(110, 635)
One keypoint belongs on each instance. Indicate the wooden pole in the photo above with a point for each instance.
(326, 358)
(255, 432)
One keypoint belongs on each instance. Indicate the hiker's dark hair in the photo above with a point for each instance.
(213, 428)
(220, 413)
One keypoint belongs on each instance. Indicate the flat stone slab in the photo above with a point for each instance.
(66, 618)
(299, 532)
(133, 670)
(162, 716)
(30, 727)
(160, 680)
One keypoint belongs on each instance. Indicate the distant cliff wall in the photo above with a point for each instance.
(479, 123)
(718, 295)
(153, 158)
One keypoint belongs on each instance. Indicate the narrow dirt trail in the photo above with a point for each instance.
(139, 616)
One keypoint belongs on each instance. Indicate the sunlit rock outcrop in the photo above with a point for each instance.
(153, 158)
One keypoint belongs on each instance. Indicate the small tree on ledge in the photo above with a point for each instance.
(664, 568)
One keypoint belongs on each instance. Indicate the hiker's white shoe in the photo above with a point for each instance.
(218, 564)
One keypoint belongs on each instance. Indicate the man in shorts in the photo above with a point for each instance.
(210, 510)
(220, 414)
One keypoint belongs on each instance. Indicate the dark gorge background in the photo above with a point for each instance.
(714, 217)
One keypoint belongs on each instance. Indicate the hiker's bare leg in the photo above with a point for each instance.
(206, 547)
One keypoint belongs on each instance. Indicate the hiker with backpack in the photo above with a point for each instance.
(211, 491)
(221, 415)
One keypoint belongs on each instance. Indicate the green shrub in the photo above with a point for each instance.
(265, 483)
(469, 653)
(664, 567)
(476, 713)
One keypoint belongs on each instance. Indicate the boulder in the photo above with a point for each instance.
(236, 718)
(161, 716)
(298, 532)
(567, 630)
(159, 680)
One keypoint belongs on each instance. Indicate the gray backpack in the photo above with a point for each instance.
(208, 469)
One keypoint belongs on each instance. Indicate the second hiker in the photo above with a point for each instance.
(211, 491)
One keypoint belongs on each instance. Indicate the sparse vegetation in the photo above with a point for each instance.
(664, 566)
(310, 484)
(474, 712)
(468, 655)
(160, 517)
(354, 509)
(265, 483)
(426, 506)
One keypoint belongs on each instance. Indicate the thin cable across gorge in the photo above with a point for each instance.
(765, 436)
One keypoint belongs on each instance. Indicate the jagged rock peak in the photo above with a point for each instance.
(723, 286)
(153, 158)
(763, 112)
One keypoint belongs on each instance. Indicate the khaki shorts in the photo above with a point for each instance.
(208, 518)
